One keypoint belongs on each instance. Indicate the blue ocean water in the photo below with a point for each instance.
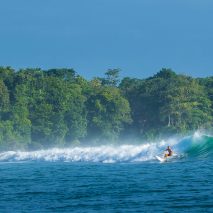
(108, 179)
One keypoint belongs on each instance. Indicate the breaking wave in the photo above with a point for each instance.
(200, 146)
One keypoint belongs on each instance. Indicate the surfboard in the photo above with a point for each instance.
(160, 159)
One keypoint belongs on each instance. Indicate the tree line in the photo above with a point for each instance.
(57, 107)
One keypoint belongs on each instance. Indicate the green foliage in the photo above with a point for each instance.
(7, 76)
(111, 78)
(64, 74)
(108, 111)
(167, 103)
(4, 97)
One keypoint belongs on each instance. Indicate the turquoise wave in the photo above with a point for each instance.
(200, 146)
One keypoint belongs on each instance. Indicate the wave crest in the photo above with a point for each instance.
(193, 146)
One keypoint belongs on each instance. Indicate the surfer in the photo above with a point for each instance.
(168, 152)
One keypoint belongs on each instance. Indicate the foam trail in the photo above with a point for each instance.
(105, 154)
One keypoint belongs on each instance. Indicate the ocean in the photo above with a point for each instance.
(123, 178)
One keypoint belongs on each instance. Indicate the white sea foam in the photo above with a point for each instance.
(105, 154)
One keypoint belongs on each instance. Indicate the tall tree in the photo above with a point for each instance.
(108, 111)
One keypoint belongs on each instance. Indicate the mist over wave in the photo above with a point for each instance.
(193, 146)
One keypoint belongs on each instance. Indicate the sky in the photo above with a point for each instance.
(137, 36)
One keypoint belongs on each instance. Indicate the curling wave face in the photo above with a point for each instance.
(200, 146)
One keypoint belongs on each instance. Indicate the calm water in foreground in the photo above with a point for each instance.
(182, 186)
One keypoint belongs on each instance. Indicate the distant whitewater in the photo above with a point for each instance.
(200, 146)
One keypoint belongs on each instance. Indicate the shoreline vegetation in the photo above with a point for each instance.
(57, 107)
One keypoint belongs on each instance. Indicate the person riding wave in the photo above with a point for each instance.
(169, 152)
